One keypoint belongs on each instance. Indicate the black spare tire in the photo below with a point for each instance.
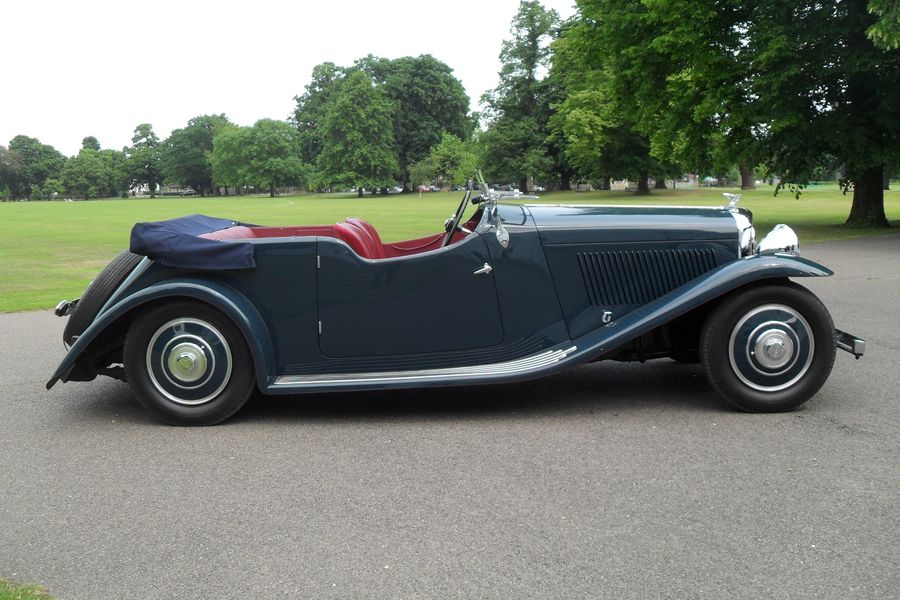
(98, 292)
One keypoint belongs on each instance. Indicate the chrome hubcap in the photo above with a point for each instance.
(189, 361)
(774, 349)
(771, 347)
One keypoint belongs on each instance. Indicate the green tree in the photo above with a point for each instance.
(30, 163)
(272, 155)
(688, 91)
(85, 175)
(145, 159)
(90, 142)
(116, 177)
(266, 156)
(185, 154)
(885, 32)
(518, 110)
(713, 82)
(422, 172)
(427, 99)
(311, 107)
(10, 169)
(358, 136)
(53, 188)
(593, 124)
(452, 160)
(227, 158)
(838, 96)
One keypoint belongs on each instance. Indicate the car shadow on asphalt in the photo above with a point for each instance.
(597, 388)
(607, 387)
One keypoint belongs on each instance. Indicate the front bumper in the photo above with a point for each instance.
(849, 343)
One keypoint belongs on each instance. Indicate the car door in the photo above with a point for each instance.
(438, 301)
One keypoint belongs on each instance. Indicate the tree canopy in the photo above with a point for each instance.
(425, 97)
(27, 163)
(266, 156)
(185, 157)
(145, 159)
(358, 136)
(518, 109)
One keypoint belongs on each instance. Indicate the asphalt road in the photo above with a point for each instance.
(617, 481)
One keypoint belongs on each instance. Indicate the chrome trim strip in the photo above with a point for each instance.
(135, 273)
(521, 365)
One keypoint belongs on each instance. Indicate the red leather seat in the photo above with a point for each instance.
(358, 240)
(365, 225)
(376, 248)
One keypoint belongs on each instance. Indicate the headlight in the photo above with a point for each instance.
(781, 239)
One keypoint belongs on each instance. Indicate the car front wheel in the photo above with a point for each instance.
(188, 364)
(768, 348)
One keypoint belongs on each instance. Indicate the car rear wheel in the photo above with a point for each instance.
(769, 348)
(188, 364)
(97, 293)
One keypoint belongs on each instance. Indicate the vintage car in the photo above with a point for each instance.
(202, 311)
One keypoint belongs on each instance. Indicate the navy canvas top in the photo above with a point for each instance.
(174, 243)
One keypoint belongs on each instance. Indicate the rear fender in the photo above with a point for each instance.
(224, 298)
(694, 295)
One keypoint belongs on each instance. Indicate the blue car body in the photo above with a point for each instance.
(521, 291)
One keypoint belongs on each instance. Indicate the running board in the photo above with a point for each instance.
(424, 377)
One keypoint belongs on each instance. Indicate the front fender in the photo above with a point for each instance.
(695, 294)
(223, 297)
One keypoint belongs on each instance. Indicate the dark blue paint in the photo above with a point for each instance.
(430, 311)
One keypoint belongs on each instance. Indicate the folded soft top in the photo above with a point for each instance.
(177, 243)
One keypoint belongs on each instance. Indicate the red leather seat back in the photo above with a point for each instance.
(358, 241)
(366, 226)
(369, 232)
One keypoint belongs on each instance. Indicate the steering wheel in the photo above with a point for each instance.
(452, 224)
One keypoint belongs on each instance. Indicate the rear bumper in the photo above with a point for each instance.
(849, 343)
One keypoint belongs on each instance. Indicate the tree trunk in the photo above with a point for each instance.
(359, 192)
(523, 185)
(643, 184)
(748, 178)
(887, 180)
(565, 184)
(660, 184)
(271, 190)
(868, 200)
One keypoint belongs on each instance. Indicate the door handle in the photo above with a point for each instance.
(486, 269)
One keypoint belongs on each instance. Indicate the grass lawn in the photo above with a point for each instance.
(51, 250)
(11, 591)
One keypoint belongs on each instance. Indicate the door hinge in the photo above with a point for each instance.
(320, 327)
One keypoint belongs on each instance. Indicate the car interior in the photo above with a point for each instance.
(360, 235)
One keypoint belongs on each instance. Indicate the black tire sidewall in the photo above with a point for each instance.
(715, 340)
(98, 292)
(237, 390)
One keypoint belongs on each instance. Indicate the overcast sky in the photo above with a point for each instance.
(96, 67)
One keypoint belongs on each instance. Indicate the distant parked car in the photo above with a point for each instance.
(187, 192)
(424, 188)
